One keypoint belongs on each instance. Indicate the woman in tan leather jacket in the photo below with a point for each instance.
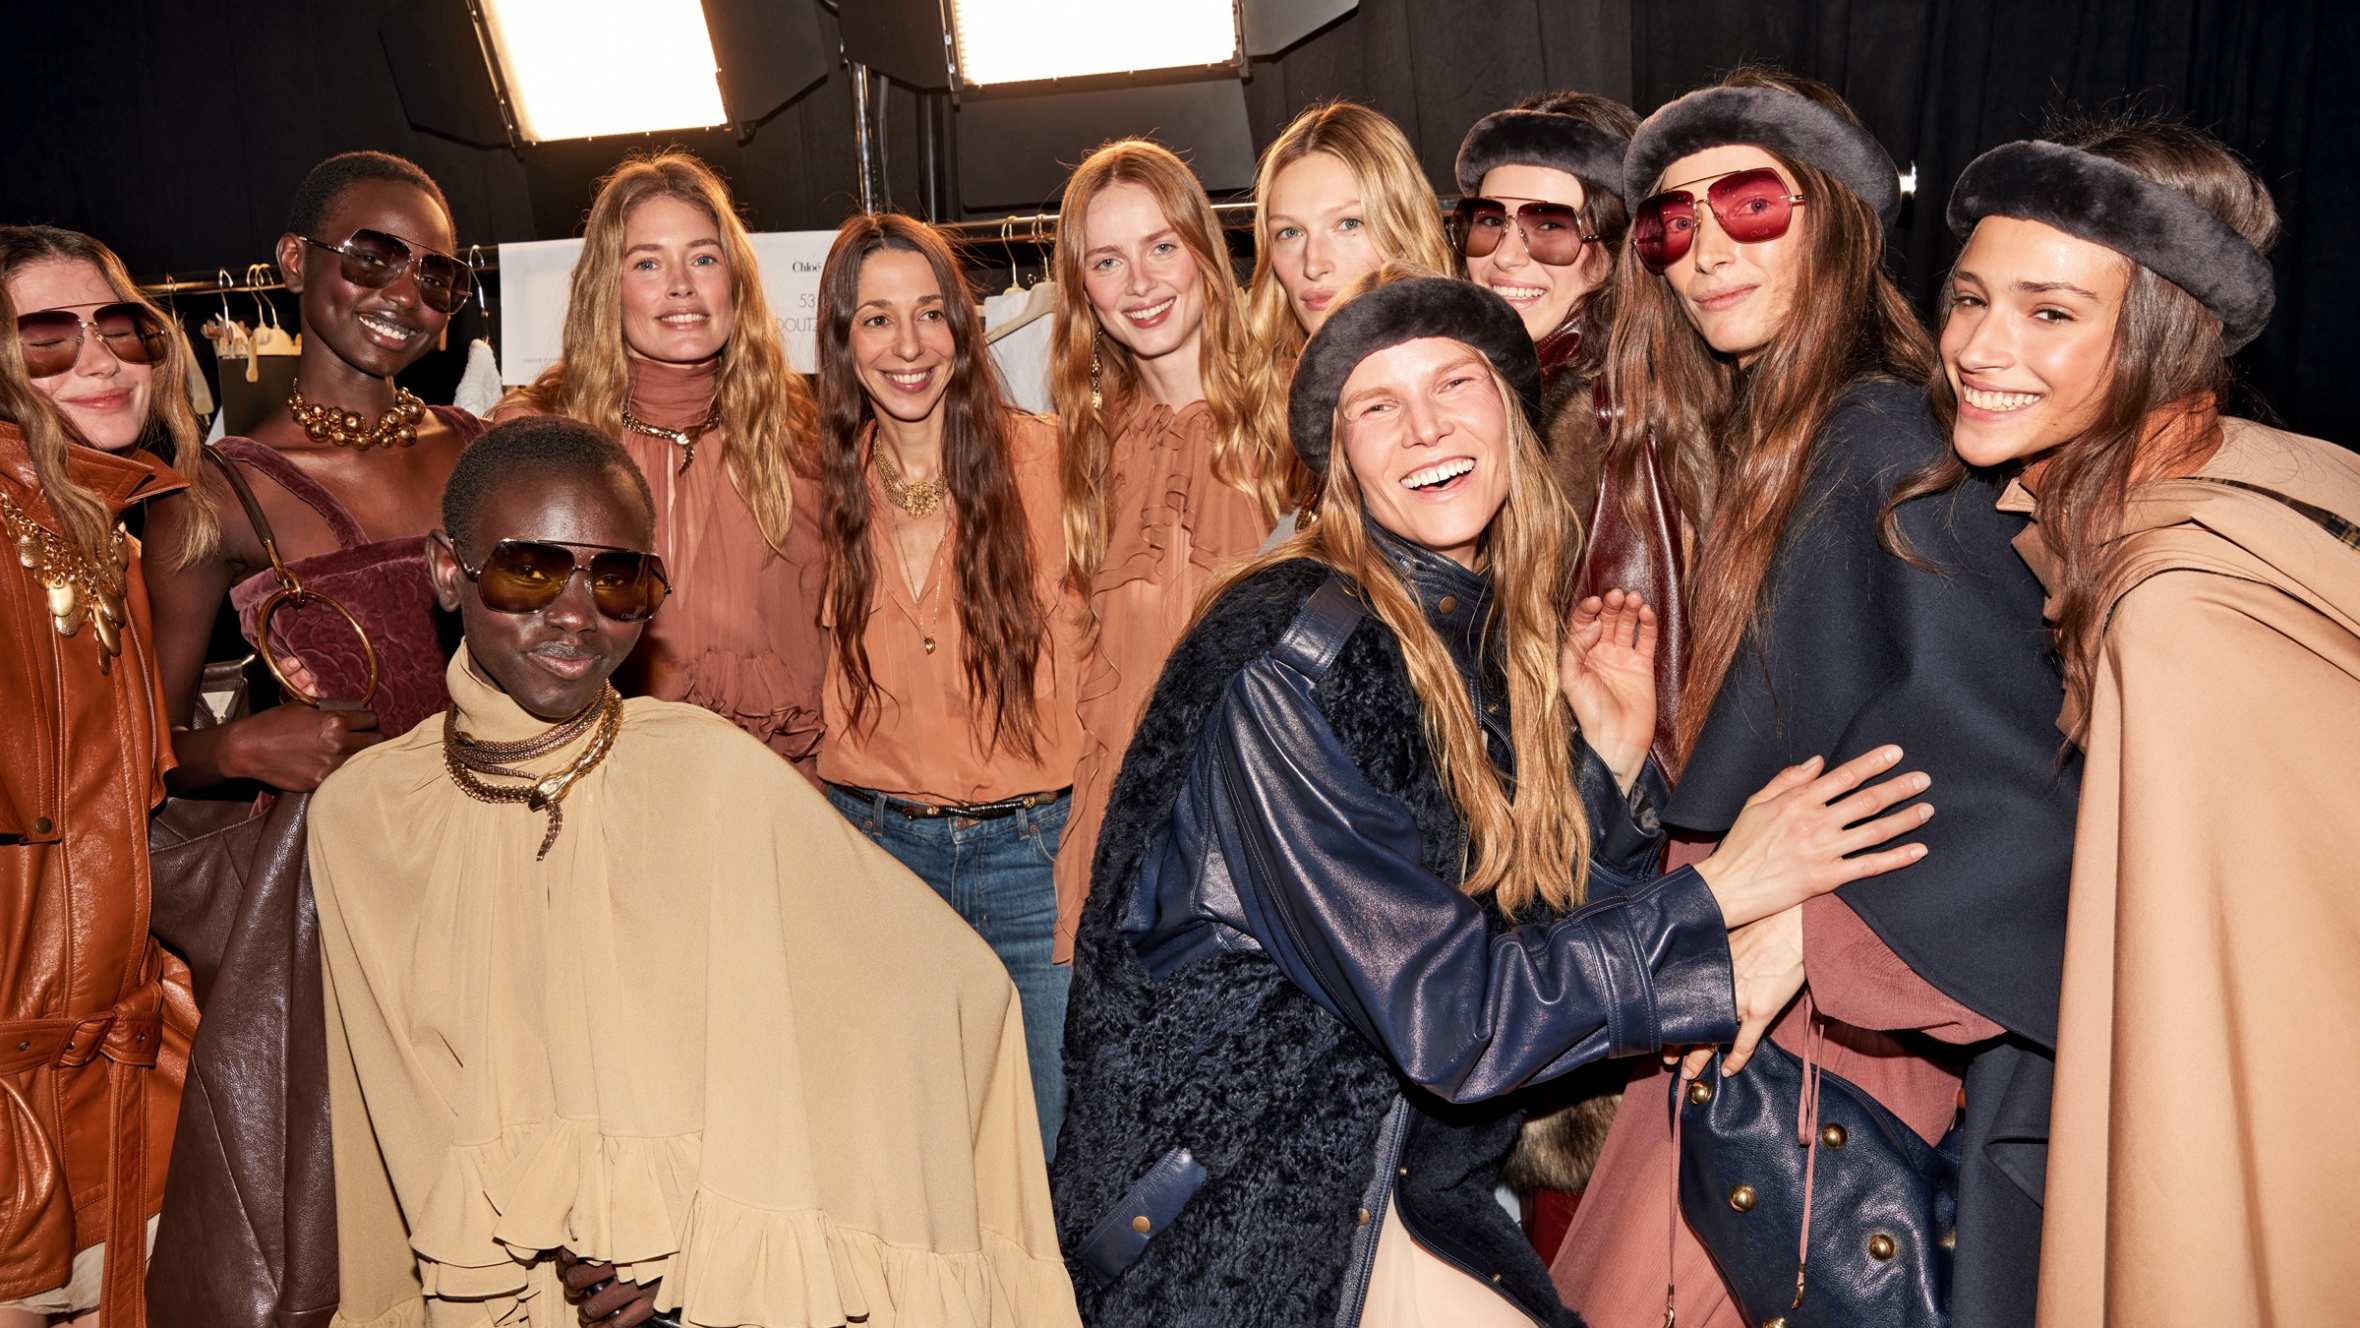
(95, 1017)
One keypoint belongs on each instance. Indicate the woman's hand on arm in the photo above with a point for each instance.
(1766, 967)
(1606, 669)
(1791, 841)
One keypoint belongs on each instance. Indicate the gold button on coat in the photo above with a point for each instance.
(1742, 1198)
(1141, 1225)
(1832, 1135)
(1448, 604)
(1362, 1218)
(1880, 1247)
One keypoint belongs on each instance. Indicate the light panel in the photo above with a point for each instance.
(1025, 41)
(589, 68)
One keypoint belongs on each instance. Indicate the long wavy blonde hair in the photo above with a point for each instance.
(1247, 460)
(1403, 221)
(766, 410)
(80, 515)
(1528, 839)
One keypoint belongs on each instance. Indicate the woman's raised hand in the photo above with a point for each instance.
(1792, 840)
(1606, 668)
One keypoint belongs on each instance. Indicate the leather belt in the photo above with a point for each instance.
(128, 1037)
(971, 811)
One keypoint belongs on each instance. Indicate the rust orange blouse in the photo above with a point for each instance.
(740, 635)
(1172, 526)
(922, 739)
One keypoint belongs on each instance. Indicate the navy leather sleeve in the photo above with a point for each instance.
(1330, 881)
(1626, 838)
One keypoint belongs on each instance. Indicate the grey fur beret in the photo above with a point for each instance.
(2108, 203)
(1787, 123)
(1542, 138)
(1388, 316)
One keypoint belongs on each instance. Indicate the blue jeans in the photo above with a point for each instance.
(997, 874)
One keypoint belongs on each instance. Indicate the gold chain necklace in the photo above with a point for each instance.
(465, 756)
(919, 498)
(342, 428)
(76, 587)
(684, 439)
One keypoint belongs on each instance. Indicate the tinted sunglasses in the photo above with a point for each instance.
(1751, 206)
(52, 339)
(377, 260)
(1552, 231)
(526, 576)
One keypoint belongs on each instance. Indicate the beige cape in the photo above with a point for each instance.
(2202, 1148)
(716, 1037)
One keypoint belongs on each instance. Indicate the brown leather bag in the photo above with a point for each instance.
(247, 1238)
(1634, 544)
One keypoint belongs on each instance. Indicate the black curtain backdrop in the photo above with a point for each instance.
(177, 131)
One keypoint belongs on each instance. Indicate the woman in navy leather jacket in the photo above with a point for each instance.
(1362, 879)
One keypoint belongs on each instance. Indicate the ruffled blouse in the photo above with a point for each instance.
(716, 1038)
(1172, 526)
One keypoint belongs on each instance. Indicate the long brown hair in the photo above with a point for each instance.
(765, 408)
(1528, 839)
(998, 598)
(1603, 214)
(1740, 441)
(1246, 459)
(1404, 226)
(2167, 360)
(80, 515)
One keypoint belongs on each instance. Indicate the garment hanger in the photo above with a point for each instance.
(1008, 251)
(483, 297)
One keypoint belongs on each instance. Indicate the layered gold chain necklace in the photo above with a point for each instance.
(919, 498)
(76, 587)
(684, 439)
(342, 428)
(466, 757)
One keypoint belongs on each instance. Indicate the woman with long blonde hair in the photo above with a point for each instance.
(1339, 193)
(670, 347)
(1166, 483)
(1324, 932)
(87, 369)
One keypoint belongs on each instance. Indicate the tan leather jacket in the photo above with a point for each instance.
(95, 1017)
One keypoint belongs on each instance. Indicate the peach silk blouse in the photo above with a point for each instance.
(923, 737)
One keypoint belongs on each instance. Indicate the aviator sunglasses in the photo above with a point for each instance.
(526, 576)
(52, 339)
(376, 260)
(1552, 232)
(1752, 207)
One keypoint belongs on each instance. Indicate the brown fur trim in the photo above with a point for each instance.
(1558, 1146)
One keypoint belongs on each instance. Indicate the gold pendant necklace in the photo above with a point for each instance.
(465, 756)
(343, 428)
(684, 439)
(919, 498)
(75, 587)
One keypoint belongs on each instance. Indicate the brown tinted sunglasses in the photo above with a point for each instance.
(1552, 231)
(526, 576)
(52, 339)
(376, 260)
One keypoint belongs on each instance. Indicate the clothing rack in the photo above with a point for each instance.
(263, 277)
(1040, 228)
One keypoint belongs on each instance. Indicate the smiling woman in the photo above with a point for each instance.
(670, 348)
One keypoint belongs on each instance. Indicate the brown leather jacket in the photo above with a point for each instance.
(95, 1017)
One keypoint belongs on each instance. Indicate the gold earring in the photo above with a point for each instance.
(1096, 400)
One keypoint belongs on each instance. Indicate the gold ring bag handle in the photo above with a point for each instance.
(291, 591)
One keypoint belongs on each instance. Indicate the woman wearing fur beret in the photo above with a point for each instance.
(2203, 579)
(1761, 342)
(1321, 941)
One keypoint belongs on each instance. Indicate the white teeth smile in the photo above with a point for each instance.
(1150, 313)
(909, 378)
(387, 329)
(1439, 473)
(1519, 294)
(1998, 401)
(681, 320)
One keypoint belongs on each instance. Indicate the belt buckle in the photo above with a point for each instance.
(86, 1041)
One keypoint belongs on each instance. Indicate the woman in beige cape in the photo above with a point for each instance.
(2203, 576)
(683, 1019)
